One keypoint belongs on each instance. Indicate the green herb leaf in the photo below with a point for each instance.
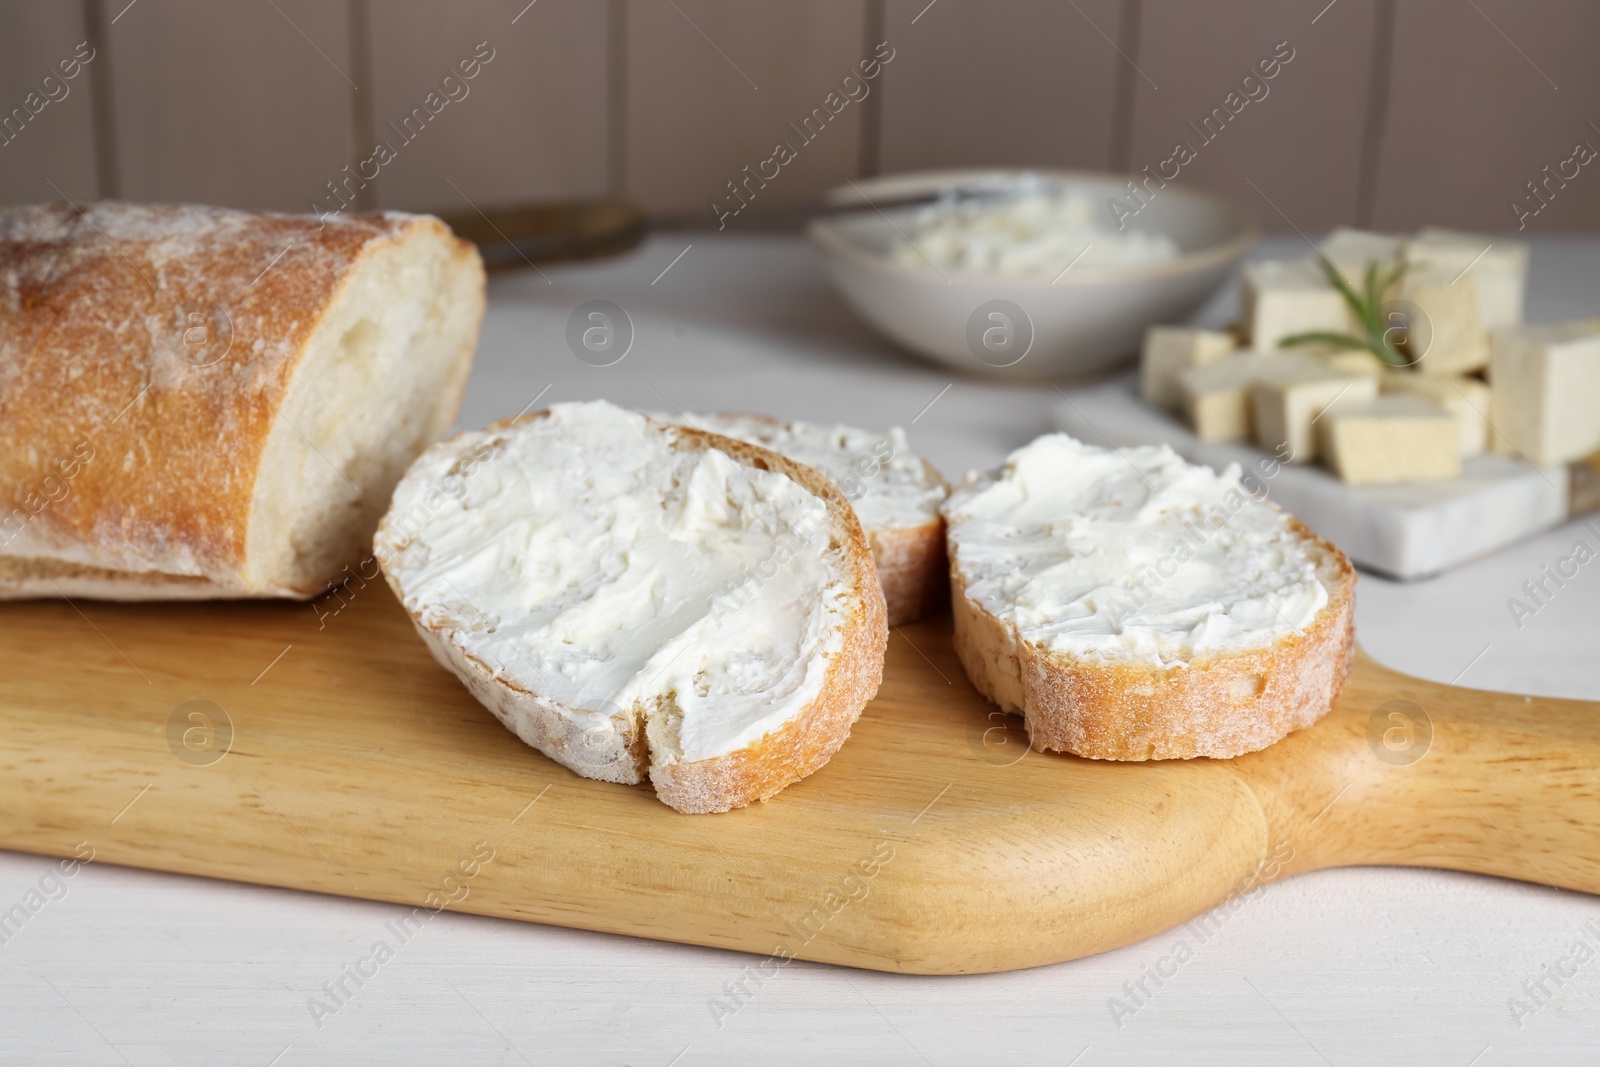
(1323, 337)
(1340, 284)
(1366, 308)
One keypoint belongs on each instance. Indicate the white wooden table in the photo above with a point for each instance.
(1346, 967)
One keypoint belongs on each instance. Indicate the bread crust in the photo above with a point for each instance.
(621, 753)
(1219, 705)
(615, 755)
(94, 309)
(912, 569)
(804, 743)
(28, 578)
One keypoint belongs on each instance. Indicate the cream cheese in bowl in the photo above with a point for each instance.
(1035, 228)
(1027, 273)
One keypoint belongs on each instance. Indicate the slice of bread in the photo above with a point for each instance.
(200, 402)
(895, 493)
(1131, 606)
(640, 600)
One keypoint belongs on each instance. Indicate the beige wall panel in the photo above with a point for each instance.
(231, 103)
(1003, 82)
(532, 124)
(1301, 144)
(55, 141)
(1482, 100)
(712, 86)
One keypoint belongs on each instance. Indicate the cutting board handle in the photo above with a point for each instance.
(1416, 773)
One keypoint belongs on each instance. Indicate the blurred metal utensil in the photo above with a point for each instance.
(522, 235)
(834, 207)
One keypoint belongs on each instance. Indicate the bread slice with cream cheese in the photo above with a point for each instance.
(640, 600)
(895, 493)
(1132, 606)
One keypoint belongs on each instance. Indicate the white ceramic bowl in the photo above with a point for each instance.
(1087, 320)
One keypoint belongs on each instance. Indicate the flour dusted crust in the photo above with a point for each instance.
(1220, 705)
(912, 569)
(196, 483)
(623, 749)
(803, 744)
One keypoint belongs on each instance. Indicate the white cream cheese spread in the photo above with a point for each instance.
(582, 557)
(887, 484)
(1130, 556)
(1041, 230)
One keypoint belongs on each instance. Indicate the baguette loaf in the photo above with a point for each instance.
(896, 495)
(642, 601)
(199, 402)
(1131, 606)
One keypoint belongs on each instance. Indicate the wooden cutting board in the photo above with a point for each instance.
(291, 746)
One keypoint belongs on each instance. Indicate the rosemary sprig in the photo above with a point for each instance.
(1365, 306)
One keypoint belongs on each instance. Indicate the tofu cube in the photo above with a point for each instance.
(1351, 250)
(1465, 398)
(1544, 385)
(1499, 265)
(1286, 402)
(1285, 298)
(1170, 349)
(1215, 398)
(1396, 438)
(1357, 361)
(1446, 336)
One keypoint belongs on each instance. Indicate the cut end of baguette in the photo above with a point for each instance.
(381, 378)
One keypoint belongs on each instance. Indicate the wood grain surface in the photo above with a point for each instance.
(332, 754)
